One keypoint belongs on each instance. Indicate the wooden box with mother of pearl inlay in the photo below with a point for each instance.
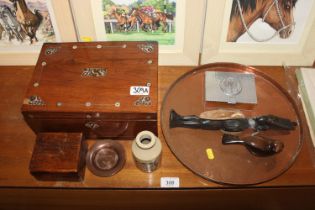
(102, 89)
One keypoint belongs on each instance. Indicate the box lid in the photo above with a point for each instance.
(94, 76)
(58, 156)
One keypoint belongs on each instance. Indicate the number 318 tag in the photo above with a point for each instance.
(171, 182)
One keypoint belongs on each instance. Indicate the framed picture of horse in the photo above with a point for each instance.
(173, 23)
(26, 24)
(260, 32)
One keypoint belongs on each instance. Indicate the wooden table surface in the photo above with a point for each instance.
(17, 141)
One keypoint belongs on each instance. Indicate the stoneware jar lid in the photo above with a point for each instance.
(146, 147)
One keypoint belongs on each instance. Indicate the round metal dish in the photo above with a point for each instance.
(105, 158)
(230, 164)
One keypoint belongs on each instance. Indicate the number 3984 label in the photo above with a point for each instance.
(139, 90)
(172, 182)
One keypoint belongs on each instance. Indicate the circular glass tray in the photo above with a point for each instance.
(230, 164)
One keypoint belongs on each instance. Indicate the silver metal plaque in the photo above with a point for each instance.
(230, 87)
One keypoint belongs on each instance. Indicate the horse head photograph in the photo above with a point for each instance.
(277, 14)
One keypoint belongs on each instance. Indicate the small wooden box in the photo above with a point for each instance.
(58, 156)
(103, 89)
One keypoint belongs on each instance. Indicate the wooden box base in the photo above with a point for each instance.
(58, 157)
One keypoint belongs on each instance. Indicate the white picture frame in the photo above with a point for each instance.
(189, 29)
(61, 18)
(217, 49)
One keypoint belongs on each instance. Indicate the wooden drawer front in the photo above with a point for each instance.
(94, 128)
(91, 115)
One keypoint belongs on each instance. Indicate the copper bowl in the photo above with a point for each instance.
(105, 158)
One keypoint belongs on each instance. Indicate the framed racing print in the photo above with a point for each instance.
(175, 24)
(26, 24)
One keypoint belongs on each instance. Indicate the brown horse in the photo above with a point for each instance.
(121, 19)
(146, 20)
(162, 17)
(29, 21)
(277, 13)
(131, 22)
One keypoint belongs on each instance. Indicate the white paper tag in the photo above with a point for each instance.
(139, 90)
(170, 182)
